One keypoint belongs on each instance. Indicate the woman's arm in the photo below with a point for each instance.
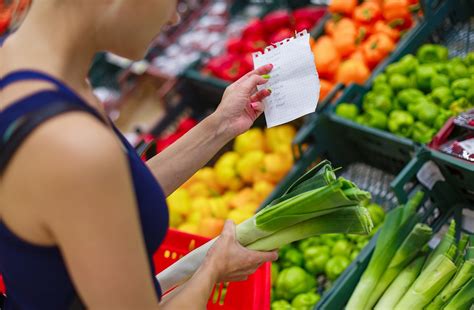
(240, 107)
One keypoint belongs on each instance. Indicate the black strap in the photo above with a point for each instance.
(24, 126)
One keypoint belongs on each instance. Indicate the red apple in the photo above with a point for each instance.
(276, 20)
(281, 35)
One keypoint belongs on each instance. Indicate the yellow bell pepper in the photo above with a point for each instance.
(201, 205)
(219, 208)
(226, 172)
(280, 137)
(246, 195)
(252, 140)
(238, 216)
(189, 228)
(249, 164)
(179, 201)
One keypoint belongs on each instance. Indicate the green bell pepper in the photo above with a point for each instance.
(460, 105)
(439, 80)
(432, 53)
(281, 305)
(341, 247)
(383, 89)
(376, 213)
(375, 119)
(398, 82)
(308, 242)
(408, 96)
(404, 66)
(292, 257)
(347, 110)
(442, 96)
(415, 106)
(354, 254)
(305, 301)
(381, 79)
(422, 133)
(381, 102)
(400, 123)
(361, 244)
(457, 70)
(424, 74)
(336, 265)
(427, 113)
(442, 118)
(316, 258)
(293, 281)
(329, 239)
(469, 59)
(460, 87)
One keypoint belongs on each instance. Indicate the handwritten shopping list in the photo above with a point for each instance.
(294, 80)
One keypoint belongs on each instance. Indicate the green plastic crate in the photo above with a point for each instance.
(442, 204)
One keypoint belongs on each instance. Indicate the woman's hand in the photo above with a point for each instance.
(242, 103)
(233, 262)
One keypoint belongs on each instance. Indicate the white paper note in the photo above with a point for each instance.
(294, 80)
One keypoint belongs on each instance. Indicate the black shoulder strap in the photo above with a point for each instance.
(19, 130)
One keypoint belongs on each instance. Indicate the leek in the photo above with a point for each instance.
(400, 285)
(462, 276)
(316, 203)
(428, 284)
(444, 245)
(464, 299)
(418, 237)
(398, 224)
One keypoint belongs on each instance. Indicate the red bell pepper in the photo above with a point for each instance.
(281, 35)
(234, 46)
(250, 46)
(367, 13)
(254, 30)
(310, 14)
(276, 20)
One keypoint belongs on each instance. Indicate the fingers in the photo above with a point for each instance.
(260, 95)
(259, 71)
(252, 82)
(262, 257)
(229, 230)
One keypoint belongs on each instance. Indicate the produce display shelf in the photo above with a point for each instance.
(442, 204)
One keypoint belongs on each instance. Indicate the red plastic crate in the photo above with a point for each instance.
(251, 294)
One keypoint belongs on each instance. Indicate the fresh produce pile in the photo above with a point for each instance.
(258, 34)
(317, 203)
(404, 273)
(306, 268)
(237, 184)
(358, 37)
(417, 95)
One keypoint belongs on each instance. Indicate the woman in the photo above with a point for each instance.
(80, 214)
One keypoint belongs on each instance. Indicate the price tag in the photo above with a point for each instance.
(468, 145)
(429, 174)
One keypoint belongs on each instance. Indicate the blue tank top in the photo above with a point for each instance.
(36, 276)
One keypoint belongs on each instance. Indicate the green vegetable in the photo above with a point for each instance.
(382, 89)
(439, 80)
(444, 245)
(442, 96)
(376, 101)
(275, 272)
(463, 299)
(405, 66)
(377, 214)
(316, 258)
(409, 96)
(398, 82)
(292, 257)
(293, 281)
(400, 285)
(341, 247)
(336, 265)
(469, 59)
(432, 53)
(381, 79)
(428, 284)
(354, 255)
(309, 242)
(456, 69)
(398, 224)
(375, 118)
(281, 305)
(417, 239)
(460, 105)
(463, 275)
(424, 74)
(401, 123)
(427, 112)
(442, 118)
(305, 301)
(460, 87)
(316, 203)
(422, 133)
(347, 110)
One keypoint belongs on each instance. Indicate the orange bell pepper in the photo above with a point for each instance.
(326, 87)
(345, 7)
(358, 55)
(352, 71)
(329, 27)
(395, 9)
(381, 27)
(367, 12)
(376, 48)
(326, 56)
(343, 26)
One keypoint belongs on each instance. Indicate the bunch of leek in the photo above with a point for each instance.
(317, 203)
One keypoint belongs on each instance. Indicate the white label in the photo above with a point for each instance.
(294, 80)
(468, 145)
(429, 174)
